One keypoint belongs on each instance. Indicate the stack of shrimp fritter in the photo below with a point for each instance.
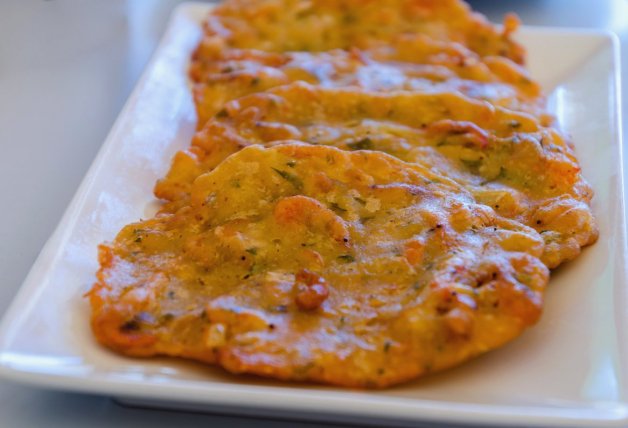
(375, 192)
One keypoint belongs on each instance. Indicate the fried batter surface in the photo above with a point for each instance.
(507, 160)
(304, 262)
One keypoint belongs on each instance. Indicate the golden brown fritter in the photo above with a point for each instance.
(507, 160)
(323, 25)
(411, 62)
(304, 262)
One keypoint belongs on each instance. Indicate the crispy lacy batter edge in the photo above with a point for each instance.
(121, 325)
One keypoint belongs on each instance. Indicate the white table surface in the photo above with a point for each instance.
(66, 68)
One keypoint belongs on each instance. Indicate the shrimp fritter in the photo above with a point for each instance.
(411, 62)
(507, 160)
(303, 262)
(323, 25)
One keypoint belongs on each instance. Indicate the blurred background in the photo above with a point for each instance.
(66, 69)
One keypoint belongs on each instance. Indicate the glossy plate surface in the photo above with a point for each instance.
(569, 370)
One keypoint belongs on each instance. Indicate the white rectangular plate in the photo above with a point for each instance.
(569, 370)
